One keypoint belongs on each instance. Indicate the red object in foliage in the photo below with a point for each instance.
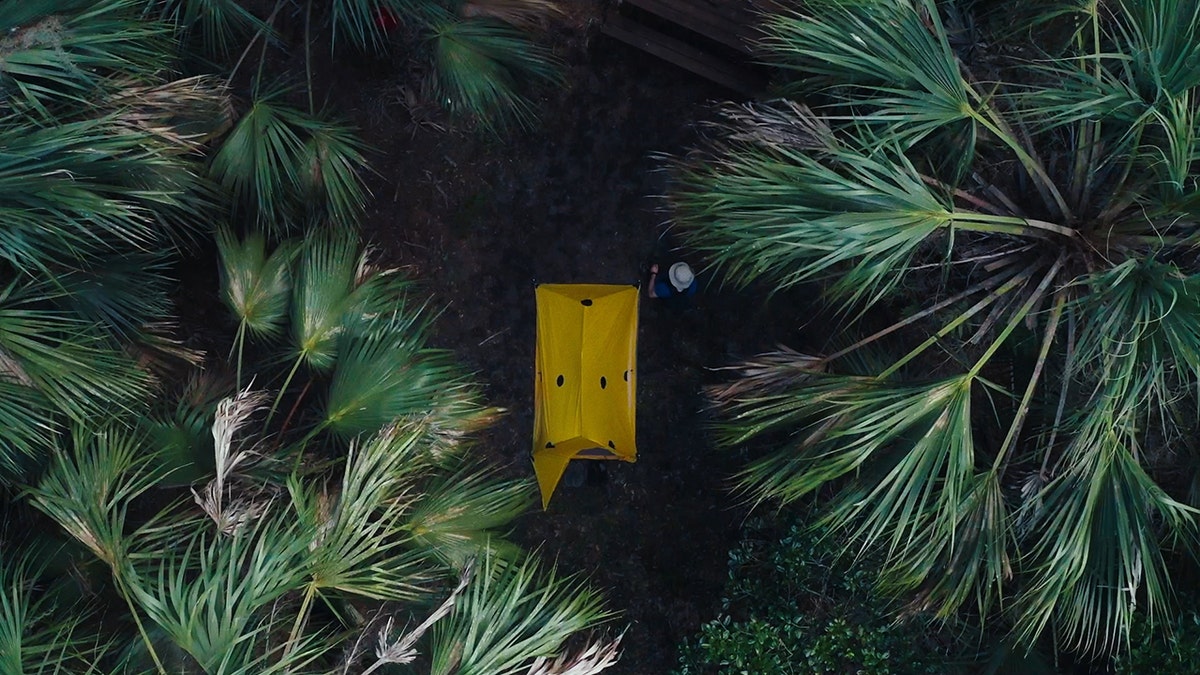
(386, 19)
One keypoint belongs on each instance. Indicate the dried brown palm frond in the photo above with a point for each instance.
(765, 372)
(779, 124)
(403, 649)
(592, 659)
(232, 415)
(187, 112)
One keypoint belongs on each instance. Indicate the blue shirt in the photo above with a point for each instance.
(664, 289)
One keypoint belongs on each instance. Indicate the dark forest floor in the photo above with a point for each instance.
(576, 200)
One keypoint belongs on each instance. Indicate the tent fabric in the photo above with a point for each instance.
(585, 379)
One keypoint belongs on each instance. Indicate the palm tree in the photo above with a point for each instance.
(99, 180)
(481, 51)
(365, 499)
(1001, 213)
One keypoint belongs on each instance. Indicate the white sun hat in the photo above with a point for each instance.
(681, 276)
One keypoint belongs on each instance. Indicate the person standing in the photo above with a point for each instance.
(679, 284)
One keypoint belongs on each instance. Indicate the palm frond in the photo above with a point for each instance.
(510, 615)
(480, 64)
(187, 112)
(83, 189)
(181, 429)
(456, 517)
(332, 160)
(1097, 555)
(259, 161)
(29, 423)
(357, 544)
(125, 295)
(58, 53)
(254, 284)
(281, 164)
(364, 23)
(891, 56)
(36, 637)
(217, 22)
(324, 293)
(210, 598)
(853, 215)
(89, 487)
(384, 373)
(74, 366)
(402, 650)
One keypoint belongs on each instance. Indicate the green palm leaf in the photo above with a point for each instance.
(456, 516)
(29, 423)
(254, 284)
(65, 359)
(89, 488)
(36, 637)
(837, 210)
(1056, 258)
(281, 164)
(218, 22)
(83, 189)
(58, 53)
(1098, 555)
(480, 64)
(326, 279)
(208, 594)
(384, 373)
(510, 614)
(358, 546)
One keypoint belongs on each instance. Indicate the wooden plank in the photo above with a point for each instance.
(681, 54)
(719, 22)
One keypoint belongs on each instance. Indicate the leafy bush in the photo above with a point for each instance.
(1152, 652)
(794, 606)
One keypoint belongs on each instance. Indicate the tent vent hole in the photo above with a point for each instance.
(586, 302)
(560, 380)
(627, 376)
(612, 445)
(549, 445)
(603, 382)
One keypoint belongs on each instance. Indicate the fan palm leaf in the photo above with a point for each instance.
(89, 487)
(281, 164)
(254, 284)
(364, 23)
(125, 295)
(36, 637)
(509, 614)
(217, 22)
(839, 211)
(326, 279)
(58, 53)
(209, 594)
(358, 545)
(480, 63)
(29, 423)
(84, 189)
(456, 516)
(64, 358)
(384, 373)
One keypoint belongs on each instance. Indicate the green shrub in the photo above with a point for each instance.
(1152, 652)
(793, 606)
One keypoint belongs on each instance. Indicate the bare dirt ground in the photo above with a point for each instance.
(574, 200)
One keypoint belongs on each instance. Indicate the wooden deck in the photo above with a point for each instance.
(711, 38)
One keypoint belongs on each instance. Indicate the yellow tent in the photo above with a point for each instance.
(584, 382)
